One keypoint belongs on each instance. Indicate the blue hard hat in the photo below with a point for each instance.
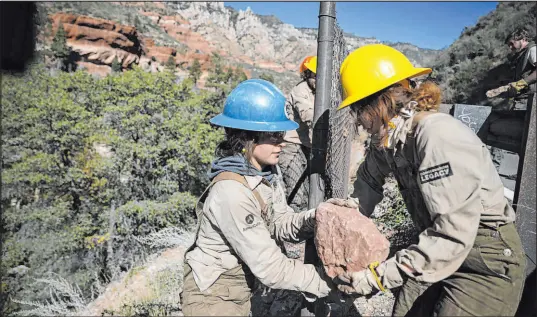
(255, 105)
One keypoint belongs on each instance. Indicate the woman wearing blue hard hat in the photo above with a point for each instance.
(243, 216)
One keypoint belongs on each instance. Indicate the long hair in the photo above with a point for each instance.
(237, 142)
(428, 96)
(382, 106)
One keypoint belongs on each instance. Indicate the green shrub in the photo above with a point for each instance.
(89, 165)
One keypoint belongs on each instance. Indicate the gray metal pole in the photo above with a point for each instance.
(525, 204)
(317, 160)
(325, 48)
(524, 201)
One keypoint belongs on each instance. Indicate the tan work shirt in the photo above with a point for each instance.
(299, 108)
(450, 187)
(232, 231)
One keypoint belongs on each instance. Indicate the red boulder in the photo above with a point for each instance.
(346, 240)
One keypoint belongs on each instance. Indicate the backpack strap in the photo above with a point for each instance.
(239, 178)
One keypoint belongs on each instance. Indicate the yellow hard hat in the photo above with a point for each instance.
(371, 68)
(310, 63)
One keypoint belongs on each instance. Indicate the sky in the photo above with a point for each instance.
(432, 25)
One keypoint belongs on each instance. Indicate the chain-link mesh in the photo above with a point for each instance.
(294, 167)
(341, 127)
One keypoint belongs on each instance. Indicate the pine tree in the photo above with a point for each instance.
(195, 70)
(228, 77)
(59, 44)
(116, 65)
(170, 64)
(240, 76)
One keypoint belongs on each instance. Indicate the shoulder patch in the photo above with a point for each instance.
(249, 219)
(435, 173)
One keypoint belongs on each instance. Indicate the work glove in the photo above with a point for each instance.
(511, 89)
(516, 87)
(377, 277)
(497, 91)
(349, 202)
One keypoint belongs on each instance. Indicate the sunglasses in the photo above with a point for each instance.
(272, 137)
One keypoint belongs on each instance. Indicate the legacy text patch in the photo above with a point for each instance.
(435, 173)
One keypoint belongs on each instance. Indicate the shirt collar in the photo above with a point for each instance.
(253, 181)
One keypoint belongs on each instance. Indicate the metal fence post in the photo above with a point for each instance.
(327, 16)
(325, 40)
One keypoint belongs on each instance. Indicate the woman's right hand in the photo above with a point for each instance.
(328, 287)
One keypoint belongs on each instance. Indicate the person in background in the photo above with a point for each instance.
(522, 85)
(294, 158)
(523, 62)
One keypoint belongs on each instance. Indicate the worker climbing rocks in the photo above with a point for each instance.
(469, 258)
(243, 216)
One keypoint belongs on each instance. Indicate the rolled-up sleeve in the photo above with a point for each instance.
(239, 220)
(449, 178)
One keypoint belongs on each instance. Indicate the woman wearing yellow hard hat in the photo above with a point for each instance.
(293, 160)
(468, 259)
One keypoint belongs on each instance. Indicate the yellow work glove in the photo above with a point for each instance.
(516, 86)
(375, 278)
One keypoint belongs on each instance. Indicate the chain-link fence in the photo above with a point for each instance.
(341, 128)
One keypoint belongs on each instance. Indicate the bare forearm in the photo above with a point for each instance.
(531, 78)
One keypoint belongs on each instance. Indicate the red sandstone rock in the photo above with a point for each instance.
(346, 240)
(100, 41)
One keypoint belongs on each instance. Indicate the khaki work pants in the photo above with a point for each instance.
(228, 296)
(488, 283)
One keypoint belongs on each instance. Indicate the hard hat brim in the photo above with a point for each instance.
(311, 68)
(225, 121)
(418, 71)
